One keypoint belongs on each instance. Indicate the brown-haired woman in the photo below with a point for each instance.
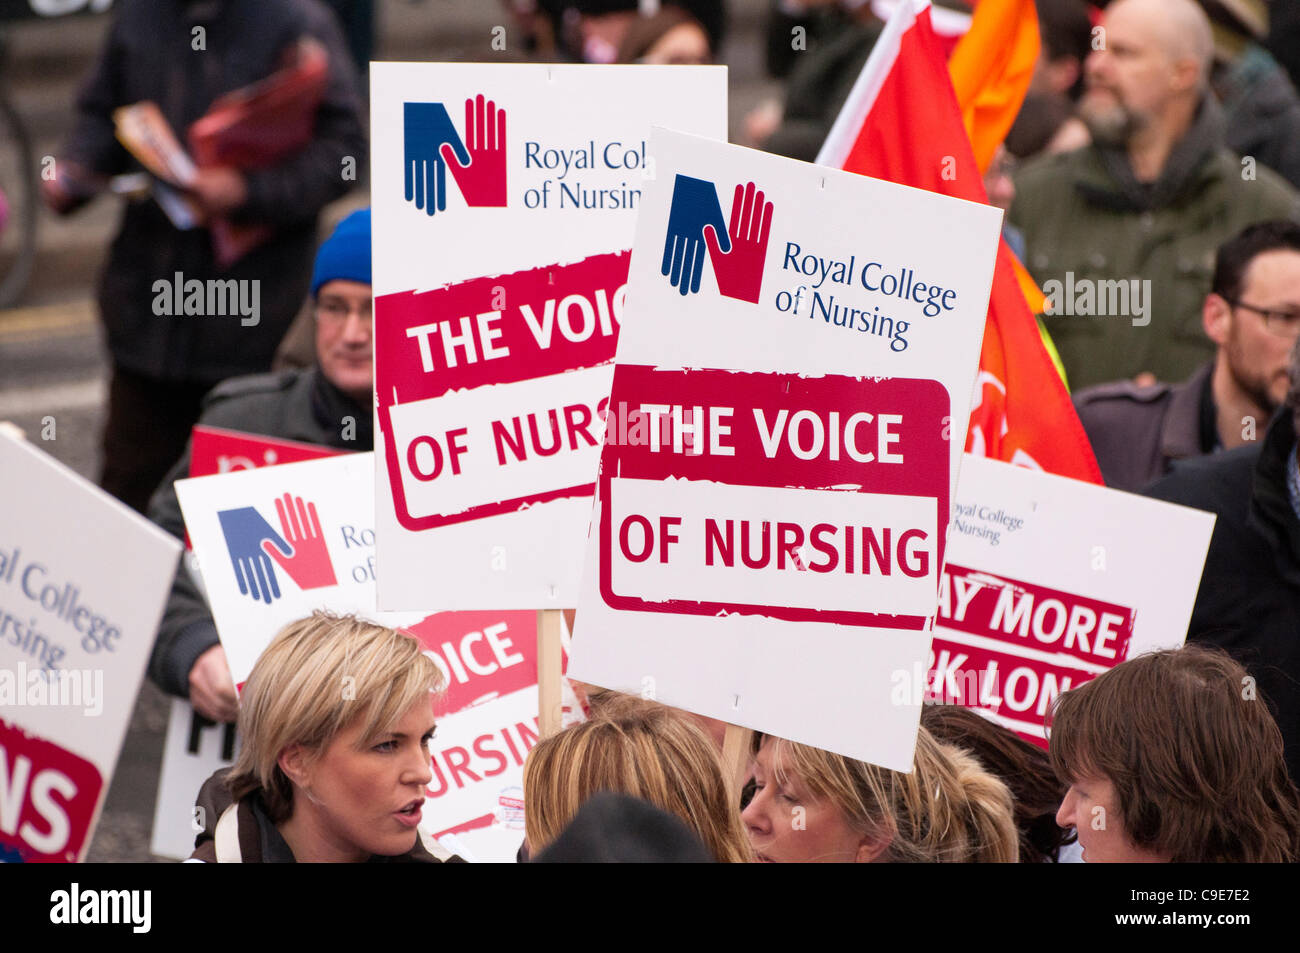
(812, 805)
(635, 747)
(1024, 768)
(1173, 756)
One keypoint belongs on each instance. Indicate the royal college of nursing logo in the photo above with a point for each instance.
(431, 145)
(736, 251)
(299, 548)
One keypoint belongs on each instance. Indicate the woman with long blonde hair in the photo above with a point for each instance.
(813, 805)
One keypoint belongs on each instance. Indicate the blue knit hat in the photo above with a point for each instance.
(346, 253)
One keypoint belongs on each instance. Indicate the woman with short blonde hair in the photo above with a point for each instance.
(813, 805)
(639, 748)
(335, 721)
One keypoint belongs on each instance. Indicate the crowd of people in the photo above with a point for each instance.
(1164, 758)
(1154, 166)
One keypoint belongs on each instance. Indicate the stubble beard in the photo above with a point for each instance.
(1253, 385)
(1110, 123)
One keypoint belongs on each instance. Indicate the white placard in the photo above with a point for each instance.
(193, 750)
(1050, 582)
(504, 199)
(488, 716)
(789, 403)
(83, 580)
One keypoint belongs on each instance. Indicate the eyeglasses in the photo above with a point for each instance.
(1282, 323)
(334, 309)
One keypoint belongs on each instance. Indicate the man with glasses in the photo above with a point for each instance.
(329, 404)
(1252, 314)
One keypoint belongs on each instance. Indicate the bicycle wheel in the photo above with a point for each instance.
(18, 181)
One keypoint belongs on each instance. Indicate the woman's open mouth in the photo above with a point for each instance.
(411, 814)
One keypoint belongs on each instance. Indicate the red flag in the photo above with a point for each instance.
(902, 123)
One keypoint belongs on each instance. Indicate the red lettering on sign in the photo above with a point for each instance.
(829, 432)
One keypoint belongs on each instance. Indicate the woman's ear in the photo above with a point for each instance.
(870, 847)
(295, 764)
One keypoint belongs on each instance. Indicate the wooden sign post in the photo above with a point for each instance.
(736, 756)
(549, 664)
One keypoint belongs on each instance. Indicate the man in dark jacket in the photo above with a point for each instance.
(327, 404)
(1249, 600)
(1252, 314)
(182, 55)
(1122, 233)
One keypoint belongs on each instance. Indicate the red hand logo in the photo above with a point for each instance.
(308, 563)
(483, 181)
(740, 271)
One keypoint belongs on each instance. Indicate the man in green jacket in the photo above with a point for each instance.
(1122, 233)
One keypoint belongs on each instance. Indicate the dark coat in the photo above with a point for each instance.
(1263, 112)
(257, 841)
(1138, 432)
(1084, 213)
(291, 405)
(1249, 600)
(149, 55)
(819, 84)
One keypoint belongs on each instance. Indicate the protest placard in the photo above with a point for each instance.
(277, 543)
(789, 403)
(82, 585)
(194, 747)
(1050, 582)
(218, 450)
(500, 267)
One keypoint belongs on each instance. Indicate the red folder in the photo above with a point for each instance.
(250, 128)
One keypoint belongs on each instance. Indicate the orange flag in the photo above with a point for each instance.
(991, 68)
(902, 123)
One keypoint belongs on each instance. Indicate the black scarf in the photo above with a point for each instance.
(1182, 171)
(330, 406)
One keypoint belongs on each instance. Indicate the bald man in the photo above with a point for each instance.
(1121, 234)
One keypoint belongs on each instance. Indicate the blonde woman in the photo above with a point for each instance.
(336, 718)
(811, 805)
(638, 748)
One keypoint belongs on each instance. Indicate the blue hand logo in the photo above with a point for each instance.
(427, 127)
(244, 530)
(695, 204)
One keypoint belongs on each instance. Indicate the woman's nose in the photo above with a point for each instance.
(419, 770)
(755, 814)
(1065, 813)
